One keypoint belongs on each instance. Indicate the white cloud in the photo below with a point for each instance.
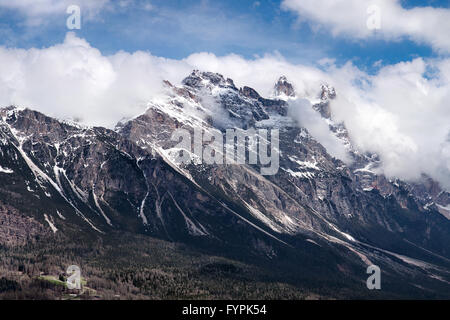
(301, 110)
(349, 17)
(74, 80)
(401, 113)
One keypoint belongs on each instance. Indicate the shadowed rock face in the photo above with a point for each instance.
(249, 93)
(96, 180)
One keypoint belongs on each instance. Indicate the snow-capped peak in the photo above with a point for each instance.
(199, 79)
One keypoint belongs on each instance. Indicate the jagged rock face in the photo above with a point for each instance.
(68, 177)
(249, 93)
(72, 178)
(327, 92)
(283, 87)
(67, 168)
(199, 79)
(309, 180)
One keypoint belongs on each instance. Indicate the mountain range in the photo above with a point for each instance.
(315, 225)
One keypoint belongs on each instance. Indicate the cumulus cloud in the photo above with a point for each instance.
(72, 80)
(75, 80)
(426, 25)
(401, 112)
(301, 110)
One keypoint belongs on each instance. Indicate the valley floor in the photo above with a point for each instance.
(132, 267)
(129, 266)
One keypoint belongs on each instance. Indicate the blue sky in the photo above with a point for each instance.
(175, 29)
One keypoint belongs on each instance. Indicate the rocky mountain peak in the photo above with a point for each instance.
(200, 79)
(249, 92)
(284, 87)
(327, 92)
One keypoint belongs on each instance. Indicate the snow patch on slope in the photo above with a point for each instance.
(5, 170)
(50, 223)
